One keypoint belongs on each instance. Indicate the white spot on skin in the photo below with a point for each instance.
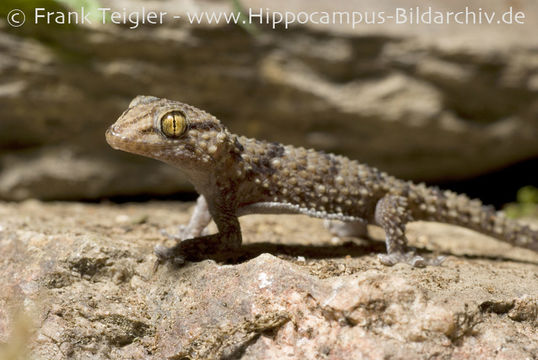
(194, 133)
(221, 137)
(264, 281)
(212, 149)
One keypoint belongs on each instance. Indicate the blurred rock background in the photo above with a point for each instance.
(449, 104)
(425, 102)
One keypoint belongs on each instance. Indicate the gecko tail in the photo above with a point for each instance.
(433, 204)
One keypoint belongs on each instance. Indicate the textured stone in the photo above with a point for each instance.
(79, 283)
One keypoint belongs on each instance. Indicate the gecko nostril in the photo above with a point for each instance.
(112, 131)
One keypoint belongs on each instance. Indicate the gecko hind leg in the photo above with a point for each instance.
(347, 229)
(392, 215)
(197, 246)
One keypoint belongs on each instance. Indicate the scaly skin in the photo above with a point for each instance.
(236, 176)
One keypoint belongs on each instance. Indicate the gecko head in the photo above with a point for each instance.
(170, 131)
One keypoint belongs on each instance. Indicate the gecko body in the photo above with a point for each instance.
(237, 176)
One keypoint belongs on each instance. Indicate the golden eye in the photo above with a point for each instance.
(173, 124)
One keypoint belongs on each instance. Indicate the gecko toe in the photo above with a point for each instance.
(418, 261)
(168, 254)
(437, 261)
(389, 260)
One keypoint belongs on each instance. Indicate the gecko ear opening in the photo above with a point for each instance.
(173, 124)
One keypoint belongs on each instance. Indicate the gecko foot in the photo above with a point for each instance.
(168, 254)
(410, 258)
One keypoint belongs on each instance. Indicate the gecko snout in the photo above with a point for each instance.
(111, 136)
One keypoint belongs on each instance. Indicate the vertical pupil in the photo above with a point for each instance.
(173, 125)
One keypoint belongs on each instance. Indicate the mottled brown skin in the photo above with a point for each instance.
(236, 176)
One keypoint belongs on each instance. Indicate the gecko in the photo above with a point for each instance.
(236, 176)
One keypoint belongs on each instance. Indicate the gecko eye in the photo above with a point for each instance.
(173, 124)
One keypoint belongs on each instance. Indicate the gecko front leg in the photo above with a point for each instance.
(198, 247)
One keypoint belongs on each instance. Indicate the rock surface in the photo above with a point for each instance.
(420, 102)
(79, 283)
